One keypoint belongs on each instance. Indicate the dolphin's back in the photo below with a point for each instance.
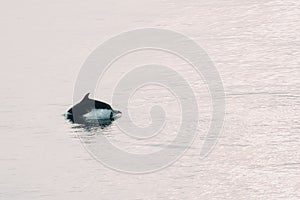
(102, 105)
(87, 105)
(88, 109)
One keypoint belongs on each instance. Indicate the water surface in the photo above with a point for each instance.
(255, 47)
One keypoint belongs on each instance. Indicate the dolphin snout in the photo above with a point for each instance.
(116, 114)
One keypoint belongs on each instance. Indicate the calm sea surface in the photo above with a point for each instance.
(254, 44)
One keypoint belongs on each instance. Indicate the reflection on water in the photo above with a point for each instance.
(92, 124)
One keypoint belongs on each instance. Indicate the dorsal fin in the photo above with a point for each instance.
(86, 97)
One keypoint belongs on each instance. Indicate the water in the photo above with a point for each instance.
(255, 47)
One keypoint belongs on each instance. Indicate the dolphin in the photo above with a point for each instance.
(90, 109)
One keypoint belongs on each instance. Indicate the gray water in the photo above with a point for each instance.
(255, 45)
